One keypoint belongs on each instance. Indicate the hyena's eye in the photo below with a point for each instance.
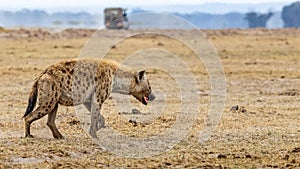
(147, 91)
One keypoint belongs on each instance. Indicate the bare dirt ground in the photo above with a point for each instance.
(263, 77)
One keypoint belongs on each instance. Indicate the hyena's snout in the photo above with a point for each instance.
(151, 96)
(147, 98)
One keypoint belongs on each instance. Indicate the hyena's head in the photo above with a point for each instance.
(140, 88)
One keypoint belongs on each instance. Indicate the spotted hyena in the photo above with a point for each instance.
(83, 81)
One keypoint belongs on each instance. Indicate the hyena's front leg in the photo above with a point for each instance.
(97, 120)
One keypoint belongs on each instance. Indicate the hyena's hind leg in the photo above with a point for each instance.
(47, 99)
(51, 123)
(38, 113)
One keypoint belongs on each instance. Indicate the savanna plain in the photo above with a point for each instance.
(258, 128)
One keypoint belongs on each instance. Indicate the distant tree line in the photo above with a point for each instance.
(208, 21)
(290, 16)
(258, 20)
(40, 18)
(37, 18)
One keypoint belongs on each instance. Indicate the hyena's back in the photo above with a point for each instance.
(76, 79)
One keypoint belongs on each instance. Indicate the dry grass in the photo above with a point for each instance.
(262, 72)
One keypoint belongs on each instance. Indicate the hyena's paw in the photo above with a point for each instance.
(28, 136)
(100, 126)
(100, 123)
(93, 134)
(59, 137)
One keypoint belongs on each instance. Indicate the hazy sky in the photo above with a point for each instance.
(78, 3)
(188, 6)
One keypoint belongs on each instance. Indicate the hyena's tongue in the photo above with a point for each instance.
(146, 99)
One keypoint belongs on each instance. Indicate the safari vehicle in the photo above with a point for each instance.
(115, 18)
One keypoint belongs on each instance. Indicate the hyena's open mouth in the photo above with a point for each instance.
(147, 99)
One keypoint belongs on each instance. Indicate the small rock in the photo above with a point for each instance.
(160, 44)
(296, 150)
(221, 156)
(73, 122)
(286, 157)
(243, 109)
(288, 165)
(168, 163)
(236, 156)
(133, 122)
(235, 108)
(67, 46)
(136, 111)
(238, 109)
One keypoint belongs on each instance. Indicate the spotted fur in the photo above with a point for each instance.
(83, 81)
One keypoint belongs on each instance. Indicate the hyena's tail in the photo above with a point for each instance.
(32, 99)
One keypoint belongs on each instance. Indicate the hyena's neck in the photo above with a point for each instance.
(121, 82)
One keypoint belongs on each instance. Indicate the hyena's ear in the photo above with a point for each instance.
(140, 75)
